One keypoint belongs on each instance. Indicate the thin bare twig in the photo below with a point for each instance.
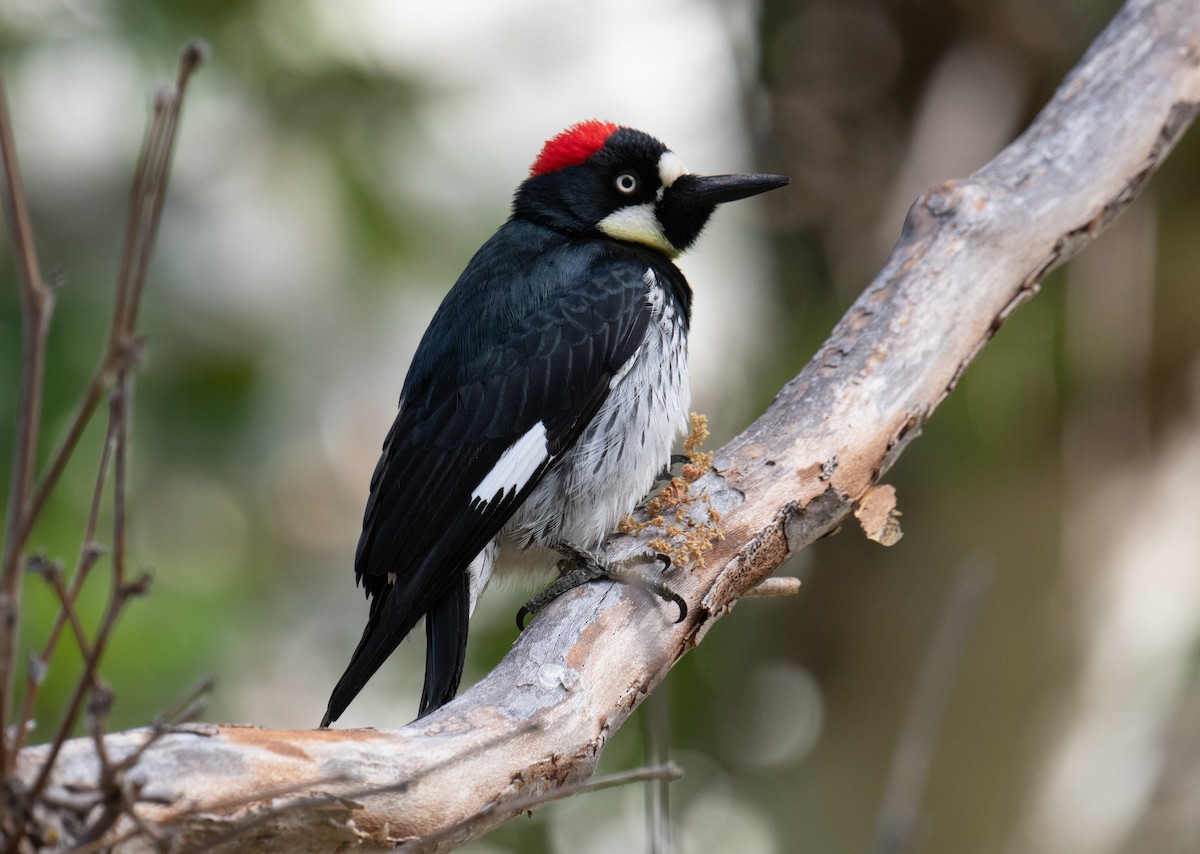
(84, 686)
(146, 204)
(910, 763)
(139, 242)
(120, 405)
(89, 553)
(52, 573)
(116, 373)
(656, 716)
(253, 821)
(186, 708)
(37, 304)
(667, 772)
(120, 795)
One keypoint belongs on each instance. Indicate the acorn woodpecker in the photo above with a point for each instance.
(543, 399)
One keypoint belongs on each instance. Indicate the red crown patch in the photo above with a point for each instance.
(574, 145)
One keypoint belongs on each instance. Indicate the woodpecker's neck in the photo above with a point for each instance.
(668, 276)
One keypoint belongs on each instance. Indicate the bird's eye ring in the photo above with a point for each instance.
(627, 182)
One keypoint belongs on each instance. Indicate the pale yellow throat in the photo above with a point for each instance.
(638, 224)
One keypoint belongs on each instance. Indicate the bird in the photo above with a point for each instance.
(544, 397)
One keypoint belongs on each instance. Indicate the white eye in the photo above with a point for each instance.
(627, 182)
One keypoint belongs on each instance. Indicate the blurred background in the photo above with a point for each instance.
(337, 165)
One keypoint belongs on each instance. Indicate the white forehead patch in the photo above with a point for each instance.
(670, 167)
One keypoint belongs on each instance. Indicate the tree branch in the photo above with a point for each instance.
(970, 252)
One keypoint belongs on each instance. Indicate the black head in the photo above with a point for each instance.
(597, 177)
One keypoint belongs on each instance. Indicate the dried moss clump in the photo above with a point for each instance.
(684, 524)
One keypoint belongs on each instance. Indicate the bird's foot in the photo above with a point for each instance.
(676, 460)
(580, 567)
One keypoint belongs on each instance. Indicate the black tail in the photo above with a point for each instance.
(446, 645)
(446, 630)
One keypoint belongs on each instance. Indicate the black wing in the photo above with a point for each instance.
(468, 446)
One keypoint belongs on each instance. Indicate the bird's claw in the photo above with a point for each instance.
(585, 567)
(676, 460)
(659, 589)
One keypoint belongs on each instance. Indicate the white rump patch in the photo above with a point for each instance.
(516, 465)
(479, 572)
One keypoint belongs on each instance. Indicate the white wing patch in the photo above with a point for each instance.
(516, 465)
